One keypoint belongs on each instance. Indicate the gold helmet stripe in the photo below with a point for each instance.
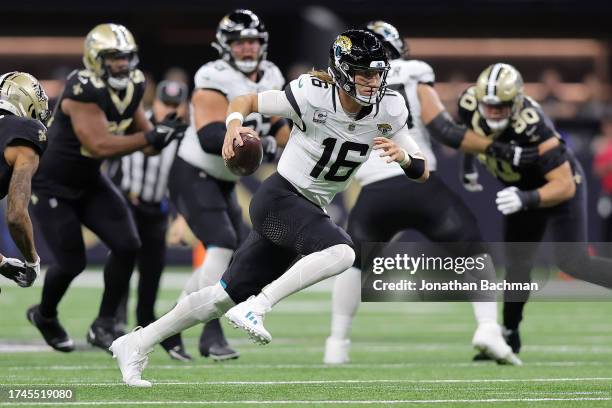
(123, 41)
(493, 77)
(7, 77)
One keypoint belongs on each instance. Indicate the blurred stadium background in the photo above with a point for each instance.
(562, 48)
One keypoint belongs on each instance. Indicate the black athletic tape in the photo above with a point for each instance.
(211, 137)
(444, 129)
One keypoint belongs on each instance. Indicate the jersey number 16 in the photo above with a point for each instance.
(341, 161)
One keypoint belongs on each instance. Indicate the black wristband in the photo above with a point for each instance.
(530, 199)
(415, 169)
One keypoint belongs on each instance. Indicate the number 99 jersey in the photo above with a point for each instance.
(529, 126)
(326, 145)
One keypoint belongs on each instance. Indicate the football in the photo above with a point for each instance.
(247, 157)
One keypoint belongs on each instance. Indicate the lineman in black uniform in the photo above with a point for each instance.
(23, 137)
(98, 106)
(551, 193)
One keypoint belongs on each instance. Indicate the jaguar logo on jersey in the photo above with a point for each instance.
(319, 116)
(384, 128)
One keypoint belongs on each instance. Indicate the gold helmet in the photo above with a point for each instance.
(110, 40)
(497, 86)
(22, 95)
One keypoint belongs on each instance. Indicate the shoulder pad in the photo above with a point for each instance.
(84, 86)
(314, 90)
(392, 109)
(277, 79)
(421, 71)
(214, 75)
(29, 130)
(467, 104)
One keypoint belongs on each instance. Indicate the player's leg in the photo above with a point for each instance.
(290, 221)
(366, 224)
(207, 205)
(442, 216)
(522, 231)
(568, 224)
(106, 213)
(61, 229)
(256, 262)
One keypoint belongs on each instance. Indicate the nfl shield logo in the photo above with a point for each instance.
(351, 127)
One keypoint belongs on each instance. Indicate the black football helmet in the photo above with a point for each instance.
(389, 36)
(237, 25)
(353, 51)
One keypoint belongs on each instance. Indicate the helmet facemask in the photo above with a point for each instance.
(347, 81)
(499, 91)
(120, 79)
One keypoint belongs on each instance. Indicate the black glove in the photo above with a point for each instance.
(13, 269)
(270, 148)
(518, 156)
(166, 131)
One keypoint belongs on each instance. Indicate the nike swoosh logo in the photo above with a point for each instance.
(66, 343)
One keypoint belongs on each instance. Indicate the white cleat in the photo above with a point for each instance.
(249, 316)
(488, 339)
(131, 359)
(336, 351)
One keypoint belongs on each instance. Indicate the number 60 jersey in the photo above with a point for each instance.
(326, 145)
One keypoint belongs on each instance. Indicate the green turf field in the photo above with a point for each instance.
(403, 355)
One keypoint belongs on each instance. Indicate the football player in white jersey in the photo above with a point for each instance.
(201, 186)
(338, 118)
(431, 208)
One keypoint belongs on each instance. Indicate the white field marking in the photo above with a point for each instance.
(331, 402)
(293, 346)
(349, 366)
(323, 382)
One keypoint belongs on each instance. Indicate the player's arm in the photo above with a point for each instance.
(142, 124)
(90, 126)
(404, 150)
(24, 161)
(445, 130)
(209, 111)
(560, 186)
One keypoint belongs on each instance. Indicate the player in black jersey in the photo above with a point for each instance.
(99, 115)
(551, 193)
(23, 137)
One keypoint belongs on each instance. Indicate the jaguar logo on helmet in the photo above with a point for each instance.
(389, 36)
(343, 45)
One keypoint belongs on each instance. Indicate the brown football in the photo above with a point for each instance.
(247, 157)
